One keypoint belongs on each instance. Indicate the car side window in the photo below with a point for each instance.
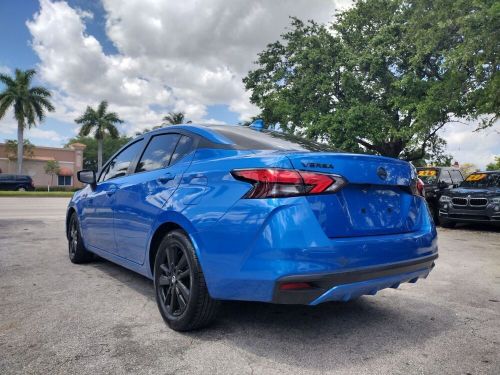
(119, 165)
(158, 152)
(184, 147)
(445, 177)
(456, 176)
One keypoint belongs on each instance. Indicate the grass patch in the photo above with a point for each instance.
(65, 194)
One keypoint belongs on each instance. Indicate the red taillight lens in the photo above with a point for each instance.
(275, 183)
(420, 187)
(295, 286)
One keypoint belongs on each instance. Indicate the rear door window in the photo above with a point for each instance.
(184, 147)
(158, 152)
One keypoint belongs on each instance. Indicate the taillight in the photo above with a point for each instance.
(276, 183)
(417, 187)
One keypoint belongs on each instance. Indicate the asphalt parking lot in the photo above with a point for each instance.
(60, 318)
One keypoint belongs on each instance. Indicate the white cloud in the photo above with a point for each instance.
(5, 69)
(179, 55)
(467, 146)
(38, 133)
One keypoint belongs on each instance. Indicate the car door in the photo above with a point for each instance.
(140, 199)
(98, 213)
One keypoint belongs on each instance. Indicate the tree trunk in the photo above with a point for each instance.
(99, 154)
(20, 147)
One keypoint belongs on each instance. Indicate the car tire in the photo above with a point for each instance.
(181, 292)
(77, 252)
(445, 223)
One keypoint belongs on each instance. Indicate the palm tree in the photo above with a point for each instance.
(29, 103)
(173, 118)
(101, 123)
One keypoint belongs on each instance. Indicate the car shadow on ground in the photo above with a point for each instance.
(330, 335)
(478, 227)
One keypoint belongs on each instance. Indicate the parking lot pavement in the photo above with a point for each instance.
(60, 318)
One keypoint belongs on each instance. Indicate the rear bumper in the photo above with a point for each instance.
(348, 284)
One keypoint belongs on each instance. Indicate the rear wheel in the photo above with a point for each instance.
(181, 292)
(77, 252)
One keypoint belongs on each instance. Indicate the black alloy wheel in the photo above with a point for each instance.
(77, 252)
(181, 292)
(175, 280)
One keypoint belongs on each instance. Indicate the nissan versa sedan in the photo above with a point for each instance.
(214, 213)
(477, 199)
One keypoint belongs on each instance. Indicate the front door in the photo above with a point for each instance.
(98, 215)
(140, 199)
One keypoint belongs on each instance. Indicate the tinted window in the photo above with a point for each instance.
(250, 139)
(6, 177)
(158, 152)
(482, 180)
(119, 165)
(456, 176)
(445, 177)
(184, 147)
(23, 178)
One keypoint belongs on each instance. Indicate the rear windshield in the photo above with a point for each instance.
(250, 139)
(482, 180)
(428, 175)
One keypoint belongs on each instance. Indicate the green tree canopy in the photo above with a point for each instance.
(29, 104)
(101, 123)
(384, 77)
(495, 166)
(110, 146)
(11, 148)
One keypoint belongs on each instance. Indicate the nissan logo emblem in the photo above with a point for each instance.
(382, 173)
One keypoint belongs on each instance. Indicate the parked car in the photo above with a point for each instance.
(16, 182)
(477, 199)
(436, 180)
(218, 212)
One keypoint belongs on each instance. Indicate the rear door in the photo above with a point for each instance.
(142, 196)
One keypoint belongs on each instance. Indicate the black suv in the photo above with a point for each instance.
(16, 182)
(476, 200)
(436, 180)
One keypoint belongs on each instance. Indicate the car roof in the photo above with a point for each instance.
(203, 130)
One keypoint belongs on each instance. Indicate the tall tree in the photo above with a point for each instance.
(173, 118)
(495, 165)
(109, 147)
(101, 123)
(377, 80)
(29, 104)
(51, 168)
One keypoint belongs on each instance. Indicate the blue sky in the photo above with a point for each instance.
(149, 57)
(16, 52)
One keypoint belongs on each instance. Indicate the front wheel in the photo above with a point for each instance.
(77, 252)
(181, 292)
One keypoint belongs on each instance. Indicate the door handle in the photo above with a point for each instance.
(111, 190)
(166, 178)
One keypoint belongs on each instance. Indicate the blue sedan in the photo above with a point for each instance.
(217, 212)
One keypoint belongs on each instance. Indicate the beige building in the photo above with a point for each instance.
(70, 161)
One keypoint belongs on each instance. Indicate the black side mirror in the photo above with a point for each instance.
(86, 176)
